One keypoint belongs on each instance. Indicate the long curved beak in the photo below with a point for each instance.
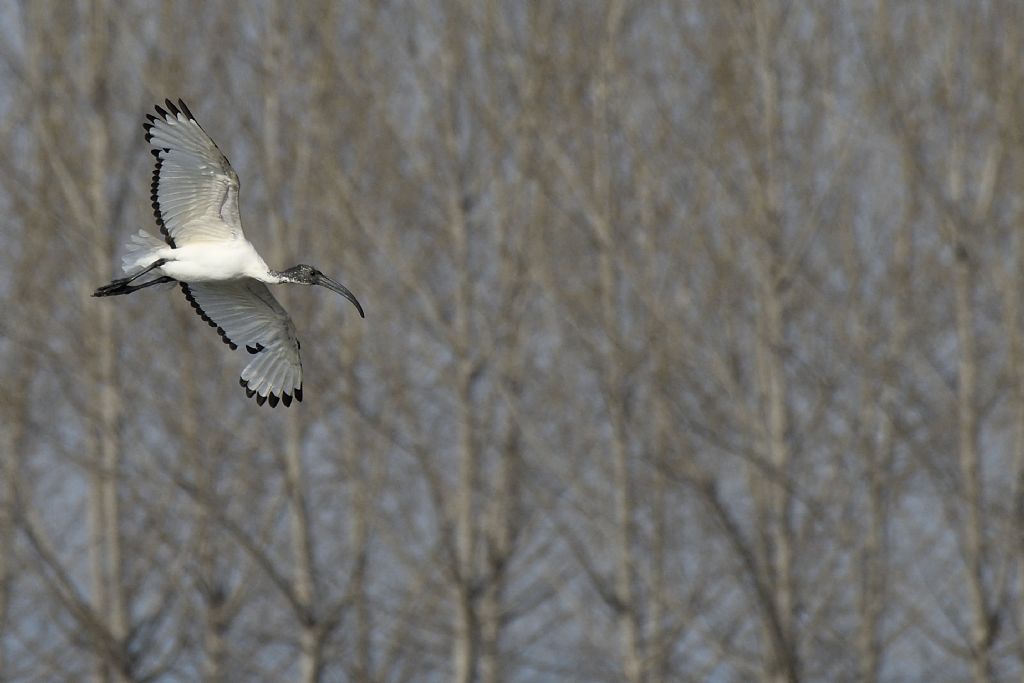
(340, 289)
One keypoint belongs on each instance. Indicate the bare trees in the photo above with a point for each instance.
(692, 346)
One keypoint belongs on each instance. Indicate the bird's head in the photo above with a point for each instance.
(308, 275)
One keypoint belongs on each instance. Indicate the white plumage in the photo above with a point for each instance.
(195, 202)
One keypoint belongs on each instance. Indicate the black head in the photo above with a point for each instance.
(308, 275)
(300, 274)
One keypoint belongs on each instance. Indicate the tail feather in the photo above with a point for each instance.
(141, 251)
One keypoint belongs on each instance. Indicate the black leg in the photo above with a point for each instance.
(110, 290)
(115, 285)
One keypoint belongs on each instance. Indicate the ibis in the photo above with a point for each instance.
(195, 202)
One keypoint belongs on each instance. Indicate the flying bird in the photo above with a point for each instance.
(195, 202)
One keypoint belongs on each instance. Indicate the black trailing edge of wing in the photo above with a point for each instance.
(155, 197)
(202, 314)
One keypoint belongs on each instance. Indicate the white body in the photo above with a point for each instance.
(212, 262)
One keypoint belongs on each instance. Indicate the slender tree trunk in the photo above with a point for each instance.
(108, 474)
(498, 550)
(878, 463)
(360, 536)
(500, 520)
(202, 468)
(970, 470)
(311, 660)
(465, 646)
(104, 503)
(1009, 285)
(629, 631)
(661, 440)
(872, 583)
(303, 577)
(780, 533)
(967, 433)
(771, 377)
(10, 473)
(362, 482)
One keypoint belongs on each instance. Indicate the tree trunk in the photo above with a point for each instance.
(104, 503)
(303, 577)
(970, 470)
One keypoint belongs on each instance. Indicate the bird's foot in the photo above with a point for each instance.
(115, 287)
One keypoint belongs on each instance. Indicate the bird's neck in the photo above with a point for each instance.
(272, 277)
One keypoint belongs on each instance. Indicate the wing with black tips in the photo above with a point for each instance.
(246, 313)
(195, 190)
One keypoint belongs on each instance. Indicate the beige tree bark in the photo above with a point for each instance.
(1009, 283)
(962, 187)
(9, 471)
(304, 579)
(612, 365)
(774, 497)
(879, 444)
(977, 552)
(13, 423)
(107, 593)
(973, 532)
(465, 641)
(501, 519)
(84, 187)
(212, 585)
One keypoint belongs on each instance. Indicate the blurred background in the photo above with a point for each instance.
(694, 346)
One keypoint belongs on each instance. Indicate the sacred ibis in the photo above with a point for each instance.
(195, 202)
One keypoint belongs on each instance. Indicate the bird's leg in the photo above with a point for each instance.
(128, 289)
(152, 266)
(115, 286)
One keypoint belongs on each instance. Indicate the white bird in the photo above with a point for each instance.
(195, 201)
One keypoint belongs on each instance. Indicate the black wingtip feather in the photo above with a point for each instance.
(274, 400)
(260, 399)
(245, 385)
(286, 399)
(172, 107)
(184, 108)
(298, 394)
(163, 112)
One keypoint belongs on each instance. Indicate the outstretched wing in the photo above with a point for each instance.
(246, 313)
(195, 190)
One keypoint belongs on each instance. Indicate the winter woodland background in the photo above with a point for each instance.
(694, 345)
